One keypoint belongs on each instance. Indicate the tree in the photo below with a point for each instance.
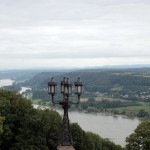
(25, 127)
(92, 99)
(93, 141)
(1, 124)
(140, 139)
(78, 136)
(142, 114)
(109, 145)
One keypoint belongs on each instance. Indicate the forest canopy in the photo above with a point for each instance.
(23, 127)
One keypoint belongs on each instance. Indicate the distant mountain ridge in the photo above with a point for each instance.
(67, 69)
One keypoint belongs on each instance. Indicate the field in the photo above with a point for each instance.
(40, 102)
(144, 106)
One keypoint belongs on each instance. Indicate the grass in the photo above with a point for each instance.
(118, 88)
(35, 101)
(39, 101)
(144, 106)
(112, 99)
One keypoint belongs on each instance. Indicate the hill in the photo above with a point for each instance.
(132, 83)
(126, 83)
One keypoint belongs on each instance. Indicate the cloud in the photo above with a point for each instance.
(46, 29)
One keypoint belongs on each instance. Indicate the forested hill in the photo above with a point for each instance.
(110, 81)
(39, 81)
(132, 84)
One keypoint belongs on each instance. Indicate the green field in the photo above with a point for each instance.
(40, 102)
(144, 106)
(134, 109)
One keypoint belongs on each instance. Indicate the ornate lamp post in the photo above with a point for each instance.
(66, 90)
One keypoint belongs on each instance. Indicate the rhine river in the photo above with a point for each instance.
(115, 128)
(6, 82)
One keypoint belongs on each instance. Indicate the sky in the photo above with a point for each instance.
(74, 33)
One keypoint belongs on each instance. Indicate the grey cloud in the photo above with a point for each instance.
(19, 12)
(74, 29)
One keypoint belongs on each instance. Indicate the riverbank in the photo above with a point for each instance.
(126, 112)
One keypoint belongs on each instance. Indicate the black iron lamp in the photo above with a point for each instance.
(78, 88)
(52, 88)
(66, 87)
(66, 90)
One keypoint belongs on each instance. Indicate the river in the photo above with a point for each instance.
(115, 128)
(6, 82)
(23, 89)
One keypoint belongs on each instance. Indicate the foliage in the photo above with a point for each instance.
(78, 136)
(130, 84)
(112, 82)
(43, 95)
(142, 113)
(1, 124)
(90, 141)
(94, 142)
(108, 145)
(107, 104)
(140, 139)
(13, 87)
(92, 99)
(27, 128)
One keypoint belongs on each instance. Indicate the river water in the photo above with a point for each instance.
(115, 128)
(6, 82)
(23, 89)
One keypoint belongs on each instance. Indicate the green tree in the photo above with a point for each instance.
(93, 141)
(109, 145)
(78, 136)
(25, 127)
(14, 108)
(142, 114)
(1, 124)
(140, 139)
(92, 99)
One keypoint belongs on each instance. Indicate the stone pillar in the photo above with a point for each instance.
(65, 147)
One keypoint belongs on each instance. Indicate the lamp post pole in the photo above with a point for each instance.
(65, 138)
(66, 90)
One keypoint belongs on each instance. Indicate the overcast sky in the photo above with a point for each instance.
(74, 33)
